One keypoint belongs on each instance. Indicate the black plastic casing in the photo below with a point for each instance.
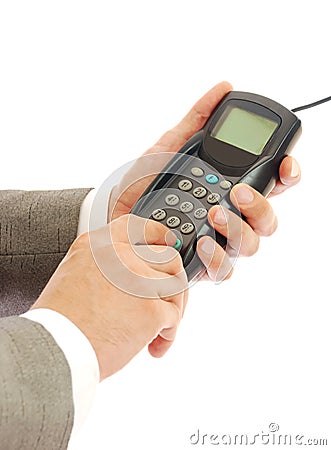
(260, 172)
(236, 165)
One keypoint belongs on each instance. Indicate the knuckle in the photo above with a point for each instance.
(256, 245)
(81, 241)
(175, 314)
(228, 275)
(125, 252)
(125, 222)
(265, 208)
(178, 314)
(272, 227)
(123, 218)
(169, 138)
(252, 246)
(152, 313)
(223, 274)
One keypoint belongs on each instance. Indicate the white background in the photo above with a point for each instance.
(86, 86)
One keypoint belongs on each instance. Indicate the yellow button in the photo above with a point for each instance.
(225, 184)
(197, 172)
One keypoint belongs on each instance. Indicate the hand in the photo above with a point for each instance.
(261, 220)
(119, 323)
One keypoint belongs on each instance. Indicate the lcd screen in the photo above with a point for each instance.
(244, 129)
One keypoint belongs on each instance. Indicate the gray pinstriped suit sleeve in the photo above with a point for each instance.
(36, 405)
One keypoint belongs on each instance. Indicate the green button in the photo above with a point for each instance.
(178, 244)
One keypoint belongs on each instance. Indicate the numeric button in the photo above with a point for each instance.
(159, 214)
(186, 207)
(185, 185)
(199, 192)
(173, 222)
(187, 228)
(200, 213)
(213, 198)
(172, 199)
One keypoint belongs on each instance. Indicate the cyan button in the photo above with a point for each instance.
(178, 244)
(211, 178)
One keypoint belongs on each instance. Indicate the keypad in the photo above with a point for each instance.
(186, 206)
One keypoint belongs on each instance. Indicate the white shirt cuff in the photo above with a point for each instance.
(80, 355)
(94, 209)
(84, 214)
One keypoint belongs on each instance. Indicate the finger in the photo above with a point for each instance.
(161, 258)
(171, 315)
(135, 181)
(215, 259)
(159, 346)
(180, 297)
(255, 208)
(185, 300)
(163, 266)
(194, 119)
(141, 274)
(240, 236)
(289, 175)
(134, 229)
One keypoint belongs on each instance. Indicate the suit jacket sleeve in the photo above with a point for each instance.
(36, 230)
(36, 405)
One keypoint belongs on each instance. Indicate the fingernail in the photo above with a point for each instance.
(220, 217)
(208, 246)
(244, 195)
(170, 238)
(295, 169)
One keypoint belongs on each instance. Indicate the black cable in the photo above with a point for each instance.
(311, 105)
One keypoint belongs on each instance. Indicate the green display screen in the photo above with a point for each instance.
(244, 129)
